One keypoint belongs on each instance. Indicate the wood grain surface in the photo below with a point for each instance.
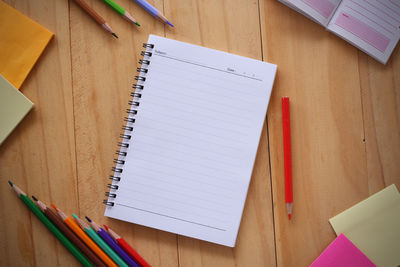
(345, 129)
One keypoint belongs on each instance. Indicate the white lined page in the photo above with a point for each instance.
(195, 138)
(371, 25)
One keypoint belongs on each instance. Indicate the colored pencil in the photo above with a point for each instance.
(68, 233)
(60, 236)
(110, 241)
(95, 16)
(86, 239)
(121, 11)
(287, 153)
(153, 11)
(128, 249)
(90, 232)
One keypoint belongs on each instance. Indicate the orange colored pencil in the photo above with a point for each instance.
(86, 239)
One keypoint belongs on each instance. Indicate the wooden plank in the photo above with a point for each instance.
(320, 73)
(39, 155)
(380, 86)
(103, 69)
(231, 26)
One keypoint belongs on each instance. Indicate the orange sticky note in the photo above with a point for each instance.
(22, 41)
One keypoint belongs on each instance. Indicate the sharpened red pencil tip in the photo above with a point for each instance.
(105, 226)
(290, 216)
(54, 206)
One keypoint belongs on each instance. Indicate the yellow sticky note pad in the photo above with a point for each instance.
(373, 225)
(22, 41)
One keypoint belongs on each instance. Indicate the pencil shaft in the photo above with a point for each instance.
(149, 8)
(110, 241)
(124, 245)
(78, 231)
(287, 153)
(119, 9)
(287, 150)
(153, 11)
(60, 236)
(73, 238)
(90, 11)
(106, 248)
(131, 252)
(95, 16)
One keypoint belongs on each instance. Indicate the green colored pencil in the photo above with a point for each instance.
(96, 238)
(28, 202)
(121, 11)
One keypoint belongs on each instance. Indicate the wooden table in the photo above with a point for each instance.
(345, 129)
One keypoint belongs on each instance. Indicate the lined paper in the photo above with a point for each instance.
(371, 25)
(194, 142)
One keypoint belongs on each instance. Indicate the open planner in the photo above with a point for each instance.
(371, 25)
(190, 140)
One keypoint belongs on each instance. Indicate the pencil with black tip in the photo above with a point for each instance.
(110, 241)
(95, 16)
(60, 236)
(93, 235)
(128, 249)
(68, 233)
(84, 237)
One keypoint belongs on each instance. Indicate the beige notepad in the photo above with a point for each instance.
(22, 41)
(13, 108)
(373, 225)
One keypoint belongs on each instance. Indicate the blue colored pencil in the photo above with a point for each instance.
(111, 242)
(153, 11)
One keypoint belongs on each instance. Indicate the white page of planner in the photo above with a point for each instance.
(371, 25)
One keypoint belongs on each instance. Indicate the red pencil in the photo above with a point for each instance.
(128, 249)
(287, 156)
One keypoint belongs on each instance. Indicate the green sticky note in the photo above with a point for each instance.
(373, 225)
(13, 108)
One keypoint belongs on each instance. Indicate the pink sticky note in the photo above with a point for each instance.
(341, 252)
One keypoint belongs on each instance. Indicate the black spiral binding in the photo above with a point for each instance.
(128, 128)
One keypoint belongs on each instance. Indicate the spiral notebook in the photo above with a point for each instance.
(188, 148)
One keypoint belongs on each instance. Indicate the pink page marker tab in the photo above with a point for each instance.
(324, 7)
(341, 252)
(363, 31)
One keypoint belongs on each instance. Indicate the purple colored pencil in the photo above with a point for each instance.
(111, 242)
